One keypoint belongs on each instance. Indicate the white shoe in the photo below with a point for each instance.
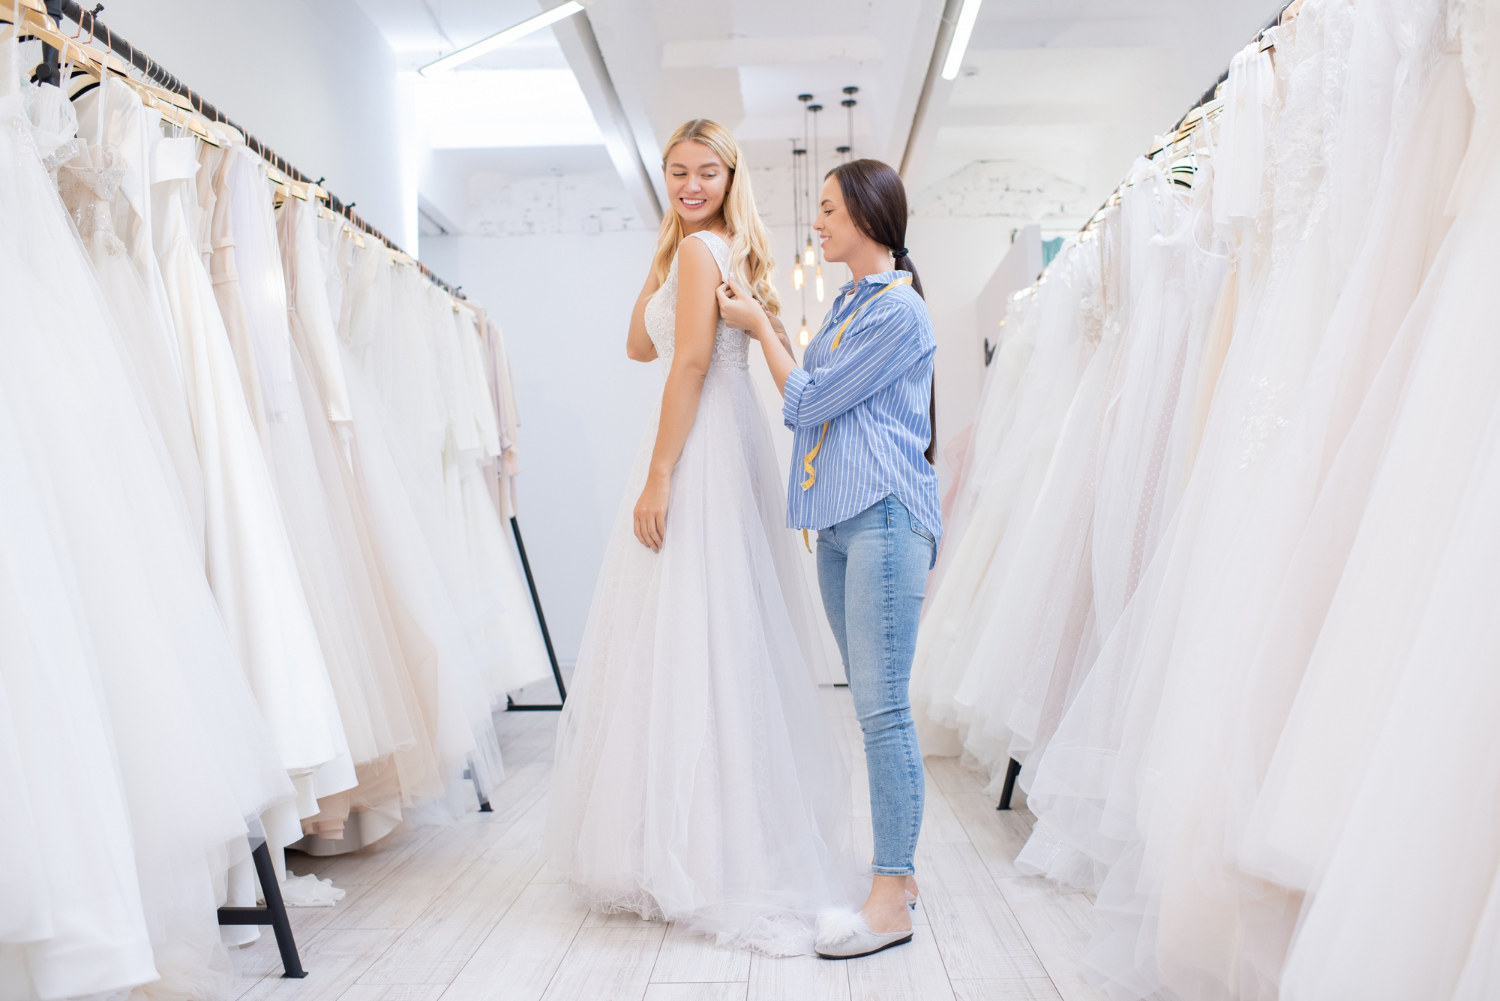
(911, 901)
(845, 935)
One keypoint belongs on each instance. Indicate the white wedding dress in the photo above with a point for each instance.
(697, 779)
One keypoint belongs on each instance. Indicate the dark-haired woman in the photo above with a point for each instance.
(860, 410)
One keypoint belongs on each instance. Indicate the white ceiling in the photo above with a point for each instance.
(1055, 98)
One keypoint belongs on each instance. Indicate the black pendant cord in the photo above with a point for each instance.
(849, 102)
(796, 210)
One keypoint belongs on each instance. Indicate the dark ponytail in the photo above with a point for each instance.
(876, 200)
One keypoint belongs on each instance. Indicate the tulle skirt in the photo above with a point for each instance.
(697, 779)
(104, 590)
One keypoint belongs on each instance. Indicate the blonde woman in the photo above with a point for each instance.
(697, 779)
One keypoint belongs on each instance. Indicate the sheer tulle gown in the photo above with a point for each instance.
(1421, 705)
(1090, 547)
(1221, 710)
(697, 779)
(1433, 447)
(399, 680)
(1092, 789)
(1002, 376)
(105, 575)
(250, 563)
(1054, 556)
(400, 483)
(1004, 486)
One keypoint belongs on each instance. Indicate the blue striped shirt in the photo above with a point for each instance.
(874, 390)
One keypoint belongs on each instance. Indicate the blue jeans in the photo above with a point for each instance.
(872, 570)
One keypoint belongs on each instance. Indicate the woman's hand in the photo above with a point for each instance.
(740, 310)
(651, 511)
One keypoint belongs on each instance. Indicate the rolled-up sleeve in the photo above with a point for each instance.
(797, 381)
(875, 351)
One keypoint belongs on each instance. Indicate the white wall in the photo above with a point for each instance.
(313, 79)
(564, 302)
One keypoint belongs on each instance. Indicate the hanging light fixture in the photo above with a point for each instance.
(849, 102)
(798, 277)
(818, 256)
(803, 336)
(804, 190)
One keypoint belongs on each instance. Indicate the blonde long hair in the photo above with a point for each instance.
(750, 259)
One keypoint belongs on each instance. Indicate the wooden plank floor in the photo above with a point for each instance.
(472, 911)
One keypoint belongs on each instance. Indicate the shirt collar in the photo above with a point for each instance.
(883, 278)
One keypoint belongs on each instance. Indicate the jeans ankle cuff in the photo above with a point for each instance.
(881, 870)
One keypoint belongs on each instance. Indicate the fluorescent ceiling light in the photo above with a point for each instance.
(490, 44)
(961, 32)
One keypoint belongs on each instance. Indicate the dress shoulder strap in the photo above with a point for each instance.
(718, 247)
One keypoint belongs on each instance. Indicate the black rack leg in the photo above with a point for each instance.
(273, 914)
(1006, 791)
(291, 964)
(472, 776)
(541, 619)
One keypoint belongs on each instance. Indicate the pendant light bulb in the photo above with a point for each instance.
(818, 283)
(797, 279)
(809, 257)
(802, 335)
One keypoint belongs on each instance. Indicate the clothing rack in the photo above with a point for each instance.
(273, 912)
(155, 73)
(1013, 768)
(1207, 98)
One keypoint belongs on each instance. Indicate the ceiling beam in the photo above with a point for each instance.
(925, 22)
(932, 102)
(576, 38)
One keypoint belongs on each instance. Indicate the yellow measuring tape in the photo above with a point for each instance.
(838, 338)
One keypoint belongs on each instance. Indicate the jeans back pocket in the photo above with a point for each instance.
(920, 530)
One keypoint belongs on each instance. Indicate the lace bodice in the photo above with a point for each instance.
(731, 347)
(87, 183)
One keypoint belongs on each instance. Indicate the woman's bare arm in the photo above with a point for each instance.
(638, 346)
(781, 334)
(697, 320)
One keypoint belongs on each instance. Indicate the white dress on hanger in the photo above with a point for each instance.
(1007, 368)
(1250, 650)
(89, 183)
(250, 563)
(1003, 486)
(400, 483)
(697, 779)
(1051, 559)
(101, 572)
(399, 671)
(1401, 686)
(476, 447)
(329, 573)
(1396, 489)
